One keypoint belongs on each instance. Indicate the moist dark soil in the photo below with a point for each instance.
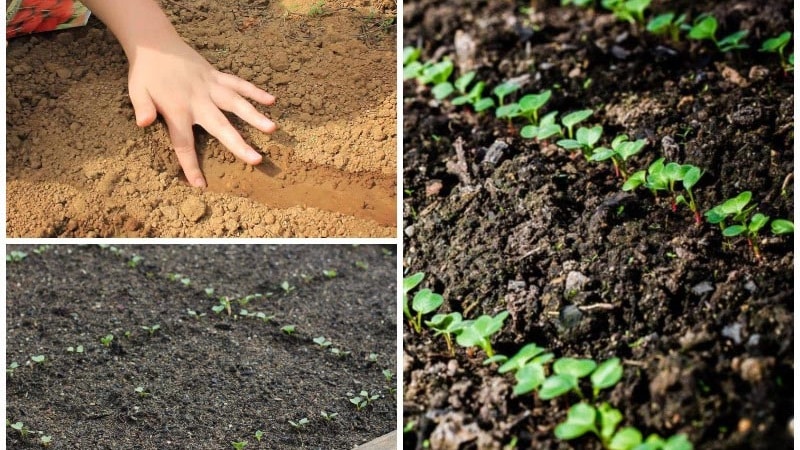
(704, 329)
(207, 381)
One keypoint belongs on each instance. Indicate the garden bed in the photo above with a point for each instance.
(502, 223)
(79, 167)
(206, 379)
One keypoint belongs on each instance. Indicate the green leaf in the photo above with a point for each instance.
(445, 323)
(734, 230)
(573, 118)
(507, 111)
(413, 70)
(529, 378)
(601, 154)
(522, 357)
(678, 442)
(463, 81)
(496, 359)
(437, 73)
(483, 104)
(461, 100)
(468, 336)
(691, 177)
(607, 374)
(736, 204)
(412, 281)
(757, 222)
(529, 131)
(634, 181)
(589, 136)
(660, 24)
(732, 41)
(580, 420)
(533, 102)
(715, 215)
(673, 171)
(569, 144)
(776, 44)
(442, 90)
(626, 439)
(557, 385)
(782, 226)
(609, 419)
(628, 149)
(410, 54)
(547, 131)
(577, 368)
(426, 301)
(503, 89)
(705, 27)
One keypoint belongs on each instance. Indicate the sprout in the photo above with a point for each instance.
(529, 105)
(667, 24)
(621, 149)
(478, 332)
(547, 128)
(705, 28)
(628, 10)
(446, 324)
(574, 118)
(782, 226)
(425, 301)
(584, 140)
(776, 45)
(504, 89)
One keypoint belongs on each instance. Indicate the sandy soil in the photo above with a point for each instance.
(79, 166)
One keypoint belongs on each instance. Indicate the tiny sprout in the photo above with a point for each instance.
(193, 313)
(776, 45)
(247, 299)
(425, 301)
(322, 341)
(363, 265)
(330, 273)
(288, 329)
(239, 445)
(567, 373)
(209, 291)
(106, 340)
(339, 353)
(388, 375)
(328, 416)
(546, 128)
(446, 324)
(152, 328)
(16, 256)
(11, 368)
(504, 89)
(264, 317)
(287, 288)
(186, 281)
(300, 423)
(584, 141)
(20, 428)
(607, 374)
(478, 332)
(46, 440)
(782, 226)
(412, 68)
(621, 149)
(259, 434)
(140, 390)
(691, 175)
(739, 209)
(410, 283)
(705, 28)
(631, 11)
(574, 118)
(78, 349)
(529, 105)
(224, 305)
(373, 357)
(409, 426)
(135, 261)
(474, 96)
(667, 24)
(362, 399)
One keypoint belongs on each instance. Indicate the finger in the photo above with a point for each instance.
(230, 101)
(218, 126)
(180, 133)
(246, 88)
(143, 106)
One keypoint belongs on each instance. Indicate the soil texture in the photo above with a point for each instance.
(79, 167)
(207, 379)
(498, 222)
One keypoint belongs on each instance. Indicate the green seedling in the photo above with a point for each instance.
(607, 374)
(322, 341)
(186, 281)
(288, 329)
(739, 210)
(446, 325)
(667, 25)
(151, 329)
(46, 441)
(363, 265)
(546, 128)
(387, 375)
(193, 313)
(259, 434)
(705, 28)
(578, 3)
(631, 11)
(247, 299)
(209, 291)
(287, 288)
(41, 249)
(264, 317)
(691, 175)
(473, 96)
(78, 349)
(330, 273)
(409, 426)
(12, 368)
(363, 399)
(530, 353)
(502, 90)
(316, 10)
(140, 391)
(782, 226)
(328, 416)
(425, 301)
(409, 283)
(479, 332)
(135, 261)
(106, 340)
(567, 372)
(224, 305)
(621, 149)
(300, 423)
(412, 68)
(339, 353)
(750, 228)
(38, 359)
(530, 104)
(574, 118)
(240, 445)
(20, 428)
(777, 45)
(373, 357)
(585, 139)
(16, 256)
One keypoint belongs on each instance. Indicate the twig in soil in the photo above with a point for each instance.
(603, 306)
(460, 168)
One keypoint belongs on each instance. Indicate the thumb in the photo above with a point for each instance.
(143, 105)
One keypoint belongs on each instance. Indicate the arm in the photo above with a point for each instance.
(167, 76)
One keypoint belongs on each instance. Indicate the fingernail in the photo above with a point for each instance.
(199, 182)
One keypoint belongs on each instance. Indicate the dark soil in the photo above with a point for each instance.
(212, 380)
(705, 330)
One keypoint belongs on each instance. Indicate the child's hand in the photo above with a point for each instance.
(182, 86)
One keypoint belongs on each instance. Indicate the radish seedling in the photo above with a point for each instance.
(330, 273)
(526, 355)
(667, 25)
(574, 118)
(425, 301)
(152, 329)
(387, 375)
(607, 374)
(362, 399)
(363, 265)
(322, 341)
(410, 283)
(328, 416)
(502, 90)
(287, 288)
(106, 340)
(546, 128)
(412, 68)
(240, 445)
(446, 325)
(259, 434)
(135, 261)
(782, 226)
(288, 329)
(20, 428)
(300, 423)
(16, 256)
(224, 305)
(776, 45)
(585, 138)
(46, 441)
(691, 176)
(209, 291)
(339, 353)
(472, 96)
(705, 28)
(739, 210)
(631, 11)
(478, 332)
(530, 104)
(140, 390)
(567, 373)
(11, 368)
(78, 349)
(621, 149)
